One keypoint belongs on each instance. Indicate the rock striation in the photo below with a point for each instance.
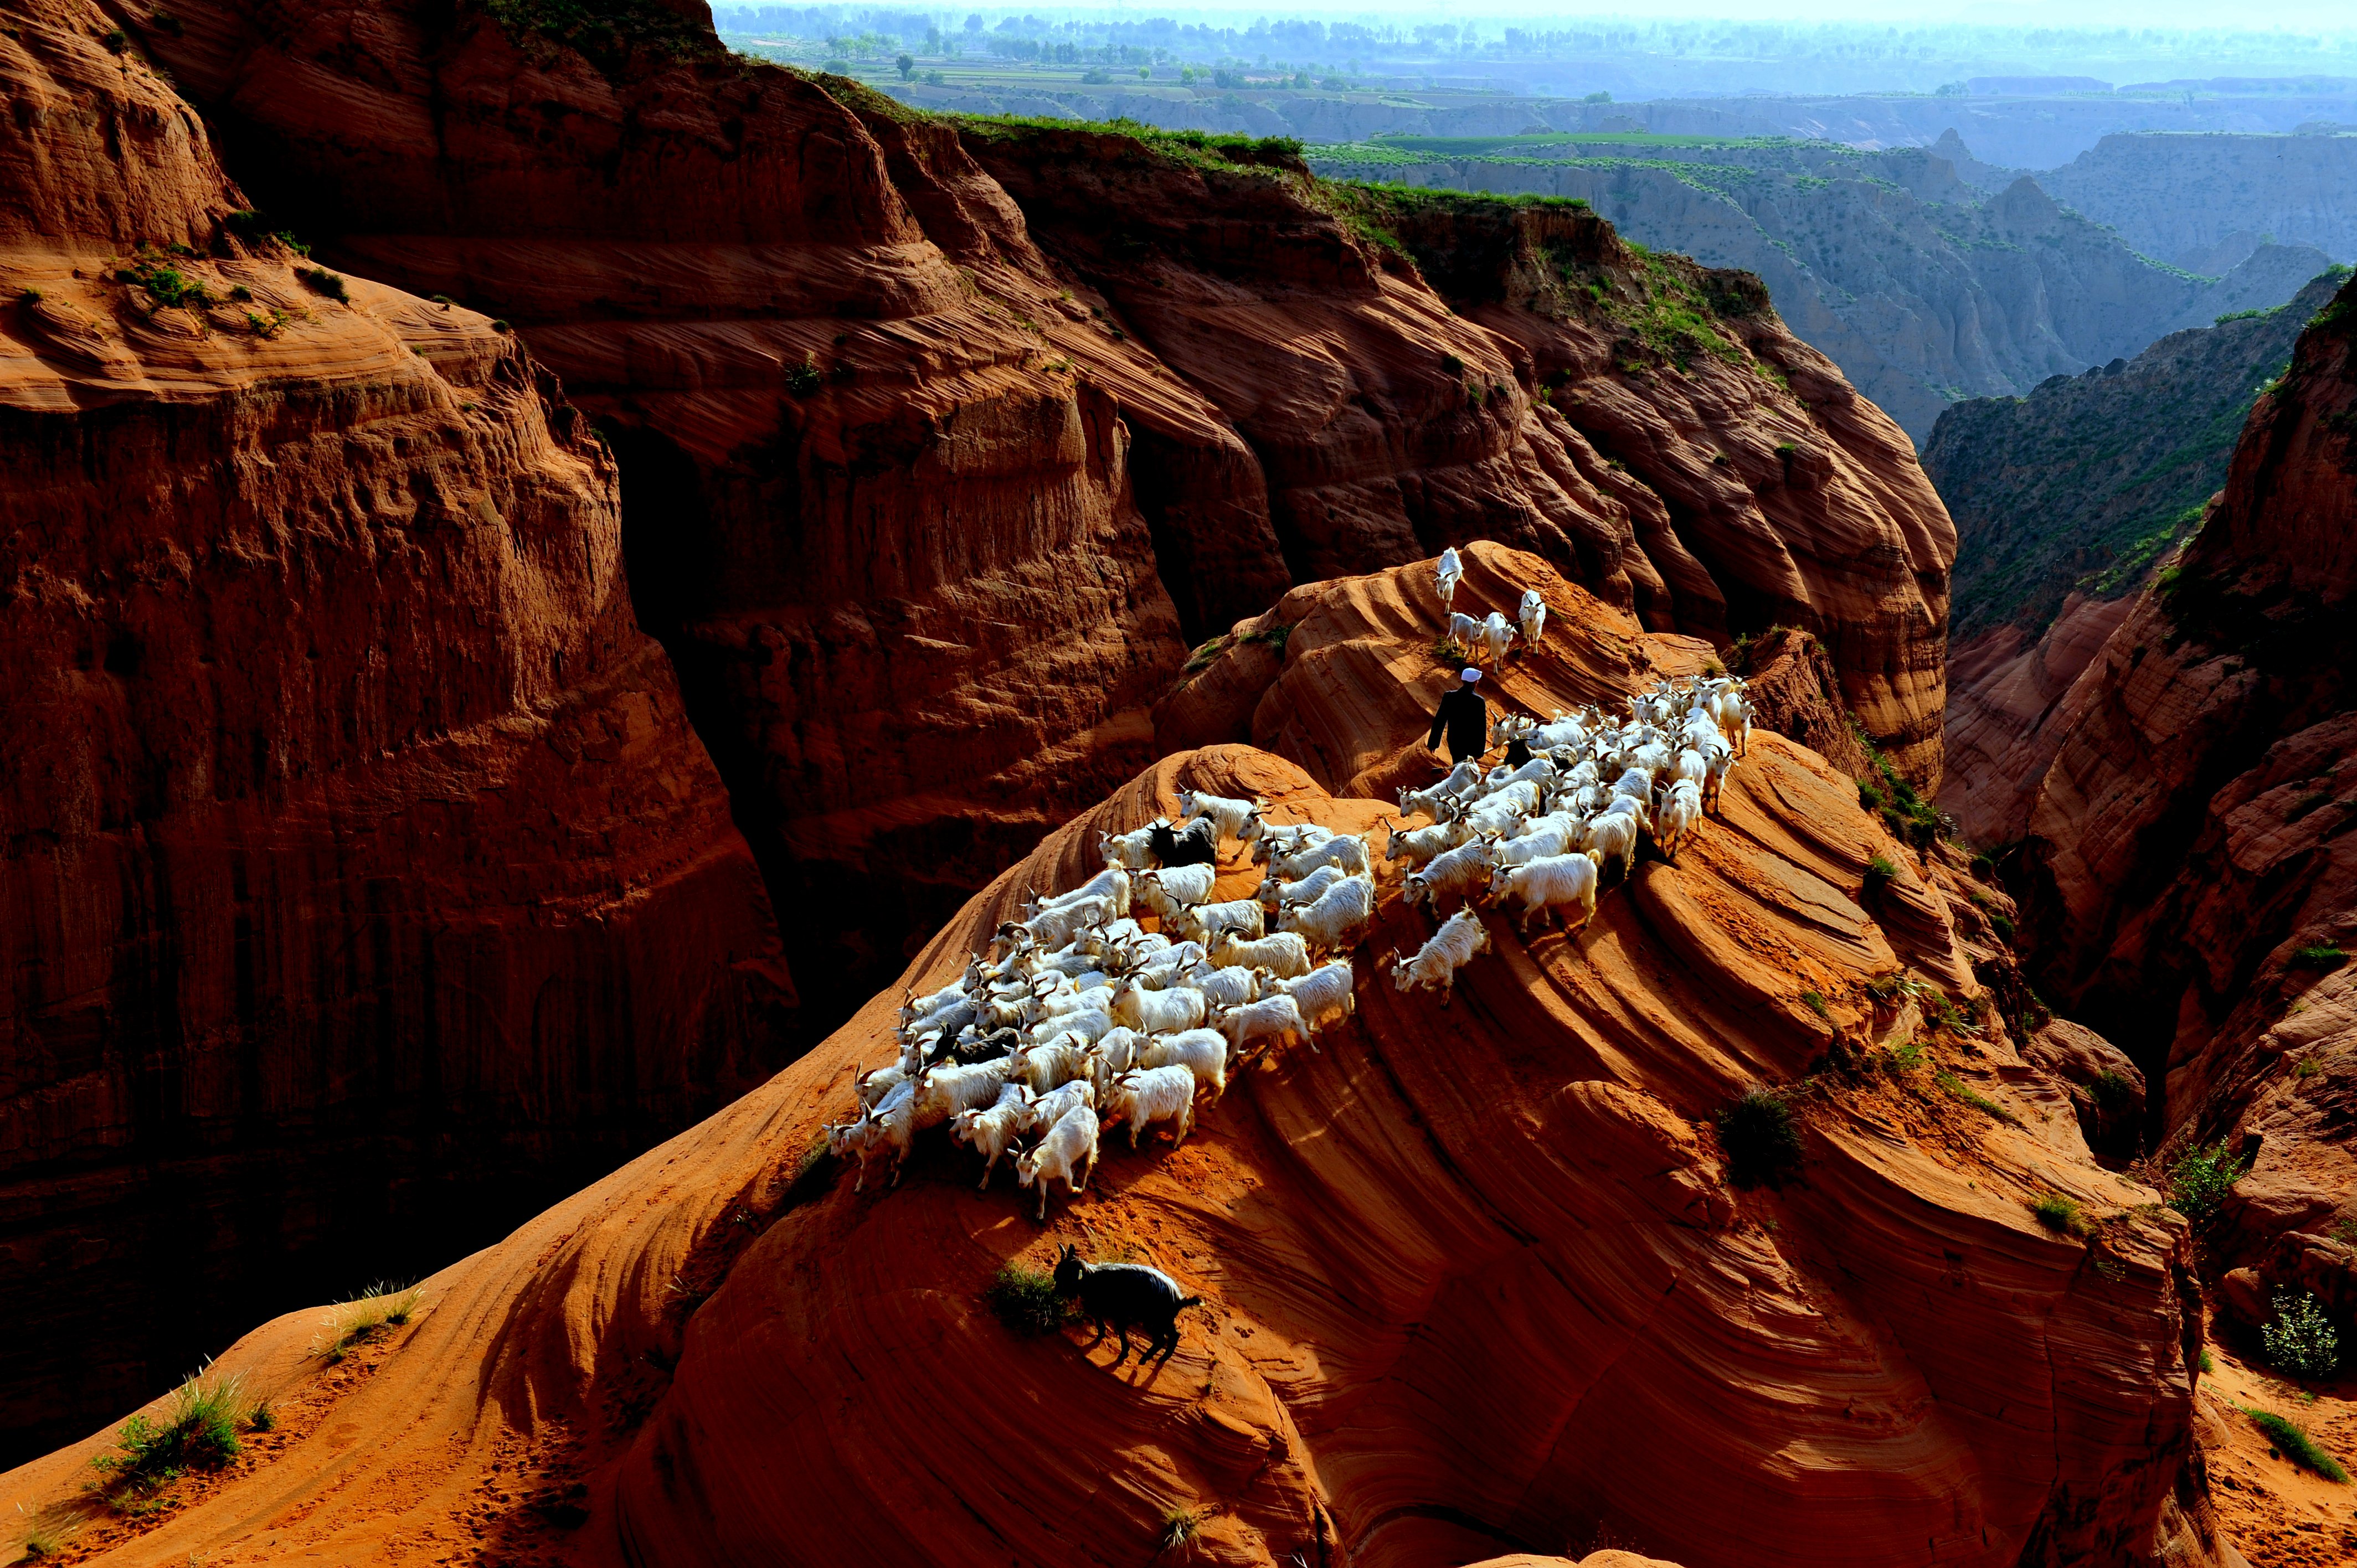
(1475, 1284)
(2189, 875)
(941, 444)
(362, 886)
(2065, 501)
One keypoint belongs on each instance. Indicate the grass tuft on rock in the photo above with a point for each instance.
(2291, 1439)
(1761, 1140)
(350, 1324)
(197, 1432)
(1027, 1301)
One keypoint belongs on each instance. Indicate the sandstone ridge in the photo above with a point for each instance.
(1475, 1281)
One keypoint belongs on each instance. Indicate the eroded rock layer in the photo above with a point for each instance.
(1475, 1282)
(2192, 880)
(361, 884)
(941, 444)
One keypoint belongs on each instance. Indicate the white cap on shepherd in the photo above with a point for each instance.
(1468, 674)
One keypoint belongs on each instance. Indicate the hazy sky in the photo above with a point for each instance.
(2336, 16)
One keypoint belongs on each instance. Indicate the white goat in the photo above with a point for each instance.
(1147, 1097)
(1435, 964)
(1112, 884)
(1067, 1154)
(1225, 987)
(1497, 635)
(1465, 631)
(1271, 1017)
(1450, 572)
(1541, 836)
(1347, 851)
(1173, 889)
(1282, 955)
(1159, 1012)
(992, 1133)
(1462, 777)
(1551, 883)
(1205, 921)
(1287, 840)
(1204, 1052)
(1238, 820)
(1461, 871)
(1416, 846)
(1041, 1112)
(1322, 993)
(1681, 810)
(1614, 834)
(946, 1090)
(1338, 917)
(1276, 892)
(1533, 617)
(1132, 850)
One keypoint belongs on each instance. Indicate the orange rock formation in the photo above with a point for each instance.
(362, 886)
(1475, 1280)
(2192, 879)
(940, 444)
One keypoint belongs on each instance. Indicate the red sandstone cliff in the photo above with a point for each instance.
(361, 884)
(2192, 875)
(1475, 1281)
(940, 444)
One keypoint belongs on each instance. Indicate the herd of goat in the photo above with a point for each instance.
(1077, 1017)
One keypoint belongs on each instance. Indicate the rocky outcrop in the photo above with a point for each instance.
(2191, 878)
(1923, 294)
(928, 481)
(2065, 503)
(2180, 196)
(1475, 1282)
(361, 884)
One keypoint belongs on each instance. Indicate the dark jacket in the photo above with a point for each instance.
(1466, 717)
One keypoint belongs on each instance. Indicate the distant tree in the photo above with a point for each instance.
(1598, 98)
(907, 66)
(973, 23)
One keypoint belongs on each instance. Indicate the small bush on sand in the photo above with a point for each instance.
(1026, 1300)
(1762, 1144)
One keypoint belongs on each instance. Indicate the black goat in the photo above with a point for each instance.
(1197, 843)
(1125, 1295)
(987, 1047)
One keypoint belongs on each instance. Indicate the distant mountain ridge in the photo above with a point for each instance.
(1922, 286)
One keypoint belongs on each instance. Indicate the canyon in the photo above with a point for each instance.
(1923, 286)
(1434, 1329)
(554, 574)
(2066, 501)
(799, 529)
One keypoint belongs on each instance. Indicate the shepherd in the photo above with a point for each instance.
(1465, 716)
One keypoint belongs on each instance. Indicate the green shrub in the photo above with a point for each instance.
(2322, 957)
(1452, 364)
(1975, 1099)
(197, 1432)
(2207, 1364)
(2199, 1180)
(28, 295)
(2113, 1091)
(1868, 796)
(1815, 1001)
(1905, 1058)
(352, 1323)
(2292, 1439)
(2002, 924)
(1761, 1140)
(322, 281)
(803, 379)
(2059, 1214)
(1880, 874)
(2299, 1339)
(115, 40)
(1027, 1301)
(1180, 1525)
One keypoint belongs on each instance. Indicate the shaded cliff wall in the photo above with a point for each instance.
(362, 886)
